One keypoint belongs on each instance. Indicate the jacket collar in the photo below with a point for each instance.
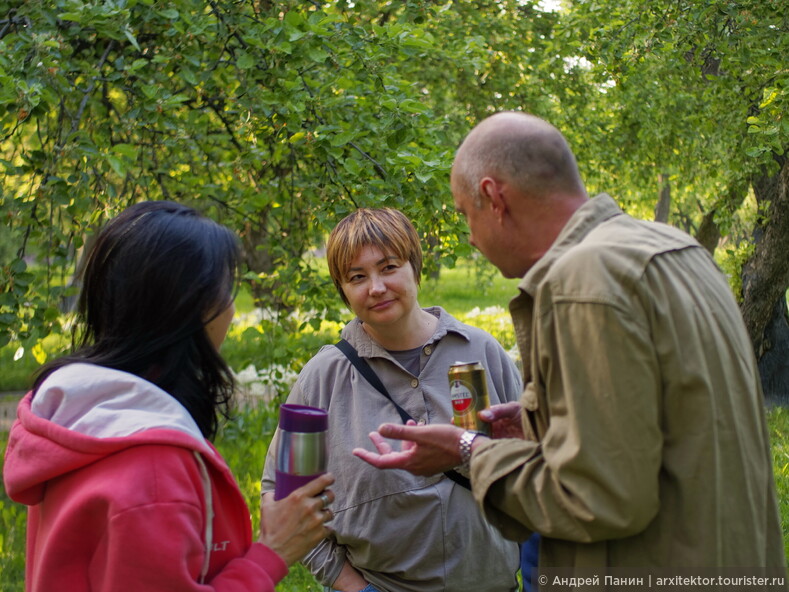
(593, 213)
(368, 348)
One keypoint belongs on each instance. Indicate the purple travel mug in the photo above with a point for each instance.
(301, 452)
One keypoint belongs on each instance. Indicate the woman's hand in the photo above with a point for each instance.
(292, 526)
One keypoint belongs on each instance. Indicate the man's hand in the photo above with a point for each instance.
(426, 450)
(504, 420)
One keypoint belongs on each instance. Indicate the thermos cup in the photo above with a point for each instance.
(301, 451)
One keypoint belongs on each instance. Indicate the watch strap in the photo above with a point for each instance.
(464, 446)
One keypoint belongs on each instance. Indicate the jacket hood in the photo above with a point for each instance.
(82, 413)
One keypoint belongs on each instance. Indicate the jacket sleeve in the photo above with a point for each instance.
(594, 473)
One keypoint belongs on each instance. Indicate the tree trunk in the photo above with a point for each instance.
(765, 278)
(432, 254)
(663, 207)
(260, 259)
(709, 233)
(774, 363)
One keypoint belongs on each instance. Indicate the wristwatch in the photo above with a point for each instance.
(464, 445)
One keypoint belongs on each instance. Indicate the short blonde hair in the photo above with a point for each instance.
(386, 228)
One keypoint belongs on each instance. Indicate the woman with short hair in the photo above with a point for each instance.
(393, 531)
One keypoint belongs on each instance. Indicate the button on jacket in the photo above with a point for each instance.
(643, 403)
(402, 532)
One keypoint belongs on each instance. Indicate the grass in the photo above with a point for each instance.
(474, 293)
(474, 284)
(778, 423)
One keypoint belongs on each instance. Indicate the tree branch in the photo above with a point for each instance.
(380, 171)
(378, 168)
(226, 124)
(86, 95)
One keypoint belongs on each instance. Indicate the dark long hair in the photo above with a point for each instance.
(155, 275)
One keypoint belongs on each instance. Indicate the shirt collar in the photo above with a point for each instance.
(367, 348)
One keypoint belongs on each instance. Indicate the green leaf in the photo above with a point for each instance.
(127, 150)
(150, 91)
(352, 166)
(188, 75)
(245, 61)
(71, 16)
(132, 39)
(342, 138)
(316, 54)
(117, 165)
(412, 106)
(175, 100)
(294, 19)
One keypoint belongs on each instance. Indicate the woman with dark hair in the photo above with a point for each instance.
(112, 448)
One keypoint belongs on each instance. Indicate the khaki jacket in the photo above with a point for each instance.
(647, 440)
(402, 532)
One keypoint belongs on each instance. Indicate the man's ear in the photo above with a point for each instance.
(494, 192)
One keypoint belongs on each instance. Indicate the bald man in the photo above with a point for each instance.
(640, 438)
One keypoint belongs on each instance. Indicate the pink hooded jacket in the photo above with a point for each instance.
(126, 494)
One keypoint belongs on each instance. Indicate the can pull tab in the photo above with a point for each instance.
(421, 421)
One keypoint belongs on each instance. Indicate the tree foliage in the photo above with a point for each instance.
(277, 121)
(699, 94)
(278, 118)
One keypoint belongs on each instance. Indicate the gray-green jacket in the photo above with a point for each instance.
(648, 442)
(402, 532)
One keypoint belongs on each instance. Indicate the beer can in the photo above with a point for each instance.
(468, 389)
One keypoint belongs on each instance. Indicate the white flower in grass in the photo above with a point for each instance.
(247, 375)
(258, 389)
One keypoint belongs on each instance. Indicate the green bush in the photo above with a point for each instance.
(19, 362)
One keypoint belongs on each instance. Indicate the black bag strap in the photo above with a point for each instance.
(365, 370)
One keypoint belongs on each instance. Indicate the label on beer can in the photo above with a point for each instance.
(463, 400)
(468, 392)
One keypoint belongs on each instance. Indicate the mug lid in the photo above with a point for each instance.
(302, 418)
